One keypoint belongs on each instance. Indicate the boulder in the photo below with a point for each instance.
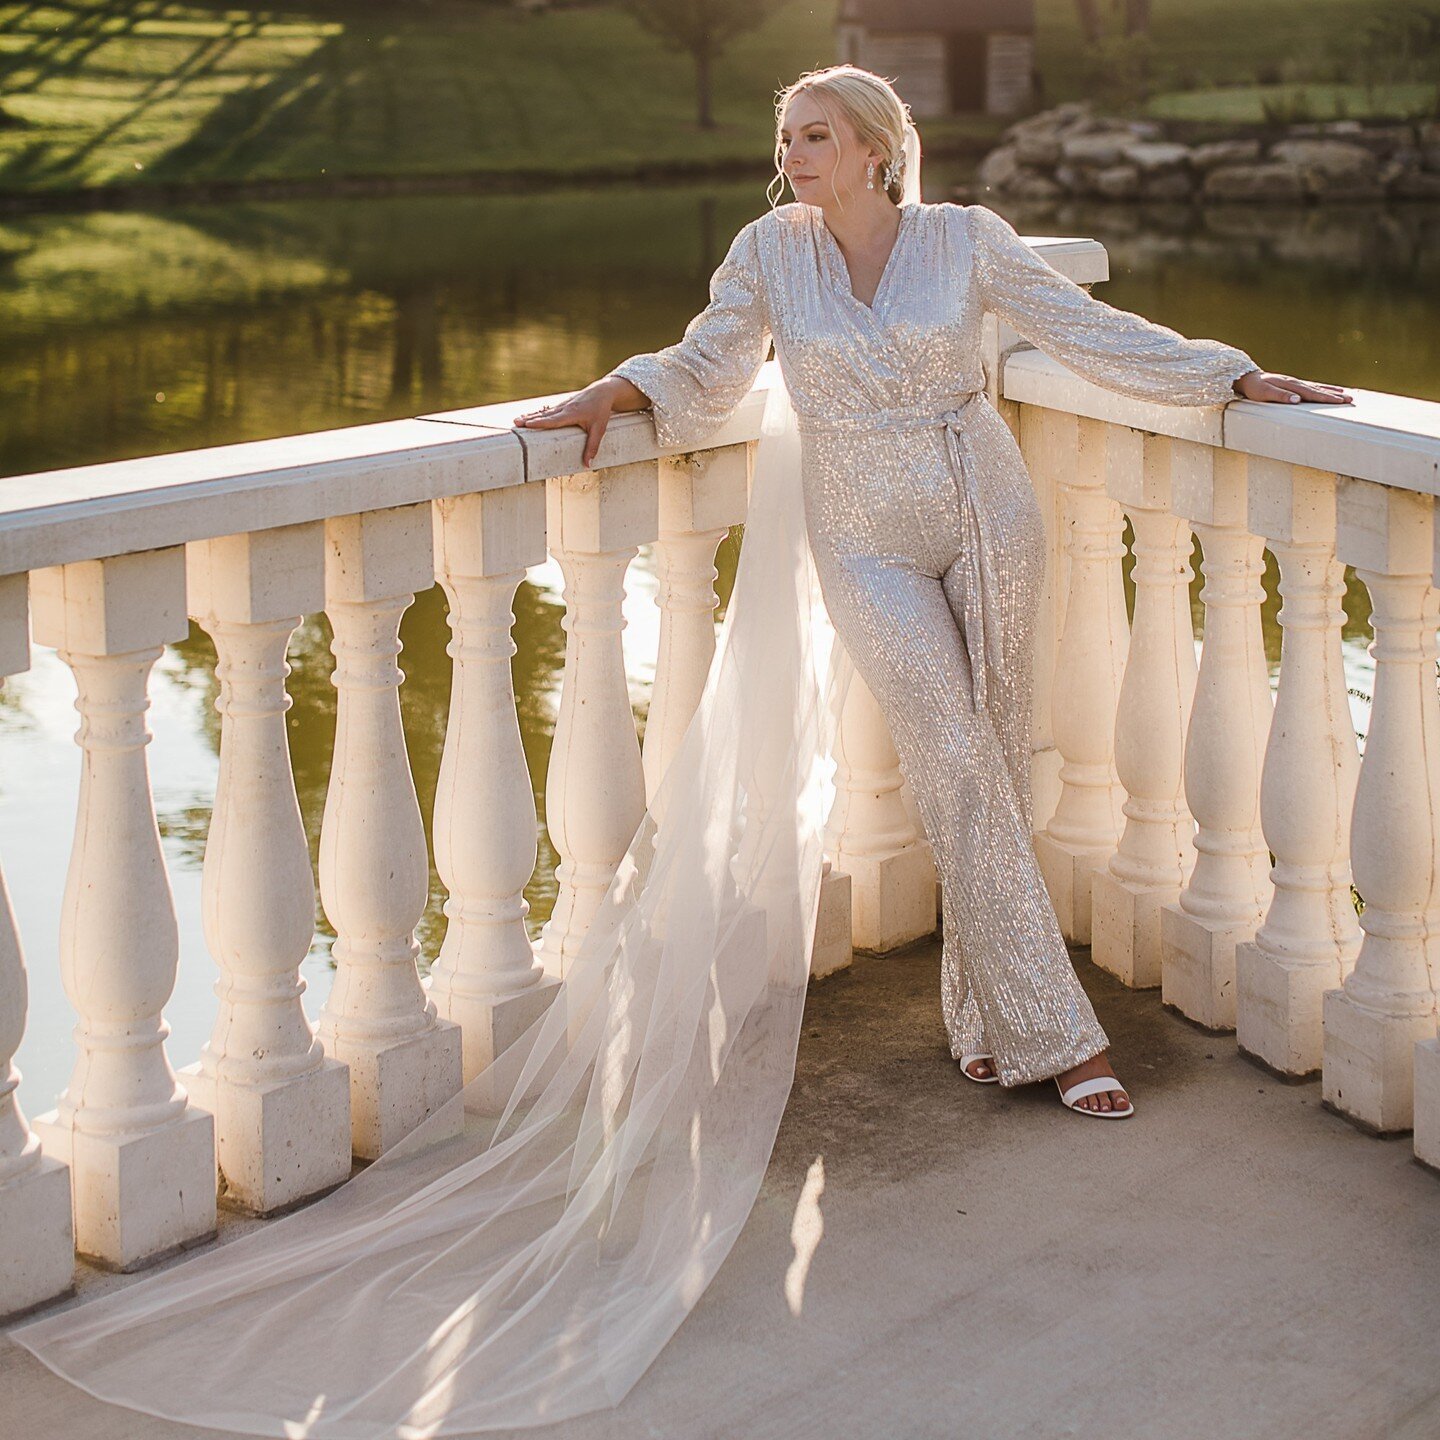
(1118, 182)
(1100, 150)
(1167, 185)
(1330, 168)
(1225, 152)
(999, 168)
(1073, 179)
(1038, 147)
(1270, 184)
(1033, 185)
(1416, 185)
(1153, 156)
(1384, 139)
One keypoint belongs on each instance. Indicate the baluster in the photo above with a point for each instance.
(1309, 937)
(281, 1106)
(870, 835)
(486, 977)
(1094, 641)
(141, 1157)
(1387, 1002)
(701, 496)
(1427, 1049)
(1039, 432)
(1225, 897)
(405, 1061)
(595, 784)
(37, 1236)
(1156, 849)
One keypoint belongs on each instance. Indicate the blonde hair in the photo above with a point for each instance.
(868, 102)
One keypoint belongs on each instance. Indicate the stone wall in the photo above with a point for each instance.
(1071, 151)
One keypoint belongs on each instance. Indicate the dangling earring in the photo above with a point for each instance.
(870, 176)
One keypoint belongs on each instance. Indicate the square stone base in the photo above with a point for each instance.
(1279, 1010)
(37, 1239)
(1069, 875)
(1427, 1102)
(833, 948)
(490, 1024)
(1197, 968)
(394, 1085)
(138, 1198)
(280, 1143)
(1369, 1066)
(1125, 929)
(893, 897)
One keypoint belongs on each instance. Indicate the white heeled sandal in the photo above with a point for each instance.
(967, 1060)
(1100, 1083)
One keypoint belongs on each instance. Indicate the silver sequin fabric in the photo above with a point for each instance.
(929, 543)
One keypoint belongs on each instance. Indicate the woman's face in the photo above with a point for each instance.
(824, 163)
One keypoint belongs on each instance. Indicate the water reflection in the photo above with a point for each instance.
(257, 320)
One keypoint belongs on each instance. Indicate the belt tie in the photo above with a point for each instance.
(980, 601)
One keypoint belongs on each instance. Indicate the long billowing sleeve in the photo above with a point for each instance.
(695, 384)
(1110, 347)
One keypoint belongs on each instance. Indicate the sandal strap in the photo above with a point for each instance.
(967, 1060)
(1082, 1088)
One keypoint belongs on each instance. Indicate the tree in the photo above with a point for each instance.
(1136, 15)
(701, 29)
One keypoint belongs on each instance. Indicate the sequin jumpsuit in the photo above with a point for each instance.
(929, 544)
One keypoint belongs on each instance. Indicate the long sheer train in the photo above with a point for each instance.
(524, 1255)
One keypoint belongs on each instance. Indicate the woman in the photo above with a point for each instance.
(926, 534)
(524, 1255)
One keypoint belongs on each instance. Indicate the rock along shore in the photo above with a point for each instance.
(1070, 151)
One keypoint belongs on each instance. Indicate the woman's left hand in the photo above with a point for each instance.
(1262, 385)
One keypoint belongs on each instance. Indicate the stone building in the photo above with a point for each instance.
(946, 57)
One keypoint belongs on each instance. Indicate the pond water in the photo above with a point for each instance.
(136, 333)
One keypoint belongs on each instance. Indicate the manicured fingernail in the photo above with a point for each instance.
(1292, 398)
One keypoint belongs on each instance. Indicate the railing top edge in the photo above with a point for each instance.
(1390, 439)
(119, 507)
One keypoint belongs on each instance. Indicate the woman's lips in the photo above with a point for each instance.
(799, 179)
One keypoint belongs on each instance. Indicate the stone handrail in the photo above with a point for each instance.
(1167, 790)
(109, 563)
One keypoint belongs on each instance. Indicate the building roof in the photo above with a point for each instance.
(939, 15)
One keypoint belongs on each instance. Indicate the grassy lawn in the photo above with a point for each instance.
(1199, 44)
(106, 91)
(1251, 104)
(142, 92)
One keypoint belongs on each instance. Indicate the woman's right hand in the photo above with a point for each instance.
(590, 409)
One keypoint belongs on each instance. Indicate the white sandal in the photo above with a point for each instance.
(1100, 1083)
(967, 1060)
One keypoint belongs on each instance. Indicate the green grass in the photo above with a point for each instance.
(1202, 44)
(141, 92)
(107, 91)
(1251, 104)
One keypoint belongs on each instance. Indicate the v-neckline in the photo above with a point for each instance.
(840, 274)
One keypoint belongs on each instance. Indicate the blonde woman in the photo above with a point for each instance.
(922, 519)
(524, 1255)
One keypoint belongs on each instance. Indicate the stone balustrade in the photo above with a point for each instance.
(1251, 834)
(1201, 845)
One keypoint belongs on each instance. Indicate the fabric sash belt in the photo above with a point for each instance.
(980, 599)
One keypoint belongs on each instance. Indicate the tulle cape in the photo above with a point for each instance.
(524, 1254)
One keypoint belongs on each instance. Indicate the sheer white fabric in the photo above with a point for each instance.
(525, 1254)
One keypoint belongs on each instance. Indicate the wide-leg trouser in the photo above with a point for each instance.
(896, 550)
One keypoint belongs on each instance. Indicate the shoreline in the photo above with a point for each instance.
(163, 194)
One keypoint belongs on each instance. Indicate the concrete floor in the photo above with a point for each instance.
(932, 1258)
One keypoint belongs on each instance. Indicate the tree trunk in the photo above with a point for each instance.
(1137, 17)
(702, 88)
(1091, 26)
